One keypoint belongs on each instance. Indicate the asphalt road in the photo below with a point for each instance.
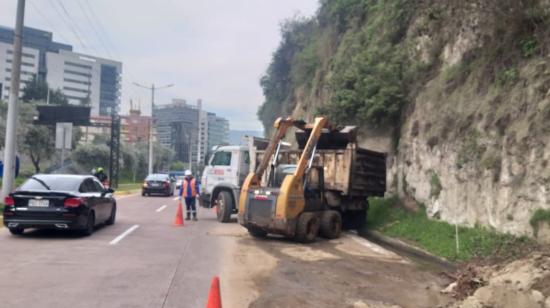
(144, 261)
(156, 265)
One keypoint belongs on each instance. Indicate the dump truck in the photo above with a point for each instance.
(318, 188)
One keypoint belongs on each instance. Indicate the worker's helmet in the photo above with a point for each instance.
(188, 173)
(99, 169)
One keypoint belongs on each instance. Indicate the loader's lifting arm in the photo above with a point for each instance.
(282, 125)
(309, 150)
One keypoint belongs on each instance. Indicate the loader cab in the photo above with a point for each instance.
(314, 184)
(314, 189)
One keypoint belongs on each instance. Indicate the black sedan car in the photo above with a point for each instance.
(158, 183)
(61, 202)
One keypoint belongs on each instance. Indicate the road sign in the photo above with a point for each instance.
(63, 135)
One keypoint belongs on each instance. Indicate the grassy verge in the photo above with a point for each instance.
(438, 237)
(127, 188)
(18, 181)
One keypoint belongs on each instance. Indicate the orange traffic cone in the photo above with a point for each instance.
(178, 221)
(214, 297)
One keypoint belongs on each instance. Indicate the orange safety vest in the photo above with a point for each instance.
(193, 188)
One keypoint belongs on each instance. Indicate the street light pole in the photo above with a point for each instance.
(11, 123)
(152, 88)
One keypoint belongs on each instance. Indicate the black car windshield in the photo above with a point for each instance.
(54, 182)
(157, 177)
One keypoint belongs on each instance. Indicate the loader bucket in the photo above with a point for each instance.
(330, 139)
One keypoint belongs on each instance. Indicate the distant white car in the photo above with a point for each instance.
(179, 181)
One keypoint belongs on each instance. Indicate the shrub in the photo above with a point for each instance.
(540, 215)
(435, 186)
(529, 47)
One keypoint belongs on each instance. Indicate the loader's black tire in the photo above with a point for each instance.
(331, 224)
(257, 233)
(307, 227)
(224, 202)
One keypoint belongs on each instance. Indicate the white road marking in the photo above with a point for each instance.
(368, 244)
(123, 235)
(161, 208)
(176, 198)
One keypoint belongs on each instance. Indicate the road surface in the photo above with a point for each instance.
(144, 261)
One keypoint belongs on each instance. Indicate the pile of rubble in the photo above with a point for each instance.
(522, 283)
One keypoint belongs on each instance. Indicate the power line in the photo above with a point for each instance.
(48, 21)
(108, 41)
(100, 39)
(68, 25)
(76, 27)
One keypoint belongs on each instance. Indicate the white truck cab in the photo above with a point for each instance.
(222, 179)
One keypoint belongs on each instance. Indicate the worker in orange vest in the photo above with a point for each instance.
(189, 191)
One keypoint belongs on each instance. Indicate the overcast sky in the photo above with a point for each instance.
(211, 49)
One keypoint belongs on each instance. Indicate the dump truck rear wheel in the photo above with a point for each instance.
(331, 224)
(355, 220)
(224, 202)
(256, 232)
(307, 227)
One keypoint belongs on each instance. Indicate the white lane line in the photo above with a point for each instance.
(369, 245)
(176, 198)
(123, 235)
(161, 208)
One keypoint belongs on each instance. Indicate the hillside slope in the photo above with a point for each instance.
(457, 92)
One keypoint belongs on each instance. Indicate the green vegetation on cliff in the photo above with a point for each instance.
(353, 50)
(360, 61)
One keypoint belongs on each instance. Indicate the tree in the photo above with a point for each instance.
(90, 156)
(163, 157)
(37, 90)
(38, 143)
(177, 166)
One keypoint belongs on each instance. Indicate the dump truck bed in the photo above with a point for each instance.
(352, 171)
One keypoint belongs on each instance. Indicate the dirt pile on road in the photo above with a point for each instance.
(522, 283)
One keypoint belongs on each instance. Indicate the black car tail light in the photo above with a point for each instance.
(73, 202)
(9, 201)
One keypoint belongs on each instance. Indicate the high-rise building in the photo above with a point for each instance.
(189, 130)
(177, 126)
(218, 131)
(83, 79)
(29, 68)
(35, 39)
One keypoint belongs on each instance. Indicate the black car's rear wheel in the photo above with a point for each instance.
(90, 224)
(111, 220)
(17, 231)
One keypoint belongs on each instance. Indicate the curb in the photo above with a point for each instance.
(405, 248)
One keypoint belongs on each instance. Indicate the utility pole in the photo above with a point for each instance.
(152, 88)
(11, 123)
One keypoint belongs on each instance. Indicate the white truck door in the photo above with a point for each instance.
(220, 170)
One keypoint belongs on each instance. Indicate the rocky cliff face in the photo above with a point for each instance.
(457, 92)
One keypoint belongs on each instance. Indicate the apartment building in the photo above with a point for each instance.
(83, 79)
